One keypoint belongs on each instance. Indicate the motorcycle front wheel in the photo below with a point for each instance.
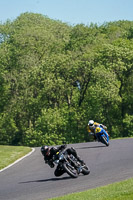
(104, 140)
(70, 170)
(85, 170)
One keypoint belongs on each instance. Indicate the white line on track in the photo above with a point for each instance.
(33, 149)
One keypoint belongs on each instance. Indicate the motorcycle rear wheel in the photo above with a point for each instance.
(70, 170)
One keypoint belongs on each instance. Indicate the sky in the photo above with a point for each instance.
(70, 11)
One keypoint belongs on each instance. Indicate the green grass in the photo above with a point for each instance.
(117, 191)
(9, 154)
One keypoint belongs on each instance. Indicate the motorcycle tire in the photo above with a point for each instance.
(104, 141)
(85, 170)
(70, 170)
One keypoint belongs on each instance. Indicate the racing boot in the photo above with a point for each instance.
(81, 161)
(76, 156)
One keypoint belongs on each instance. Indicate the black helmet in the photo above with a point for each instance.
(45, 150)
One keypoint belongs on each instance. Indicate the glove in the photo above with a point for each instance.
(63, 146)
(46, 161)
(51, 164)
(103, 126)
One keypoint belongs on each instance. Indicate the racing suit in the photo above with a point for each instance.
(91, 130)
(49, 159)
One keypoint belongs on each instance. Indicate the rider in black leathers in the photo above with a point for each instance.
(48, 154)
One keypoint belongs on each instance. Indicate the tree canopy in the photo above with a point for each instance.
(55, 77)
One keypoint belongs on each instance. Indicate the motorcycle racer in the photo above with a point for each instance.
(91, 128)
(49, 153)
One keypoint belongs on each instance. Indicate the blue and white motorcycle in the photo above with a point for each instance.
(102, 136)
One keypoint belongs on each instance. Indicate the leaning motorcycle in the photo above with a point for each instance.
(102, 136)
(70, 164)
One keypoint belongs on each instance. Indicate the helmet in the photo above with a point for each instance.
(91, 123)
(45, 150)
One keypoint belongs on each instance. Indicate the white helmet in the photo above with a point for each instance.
(91, 123)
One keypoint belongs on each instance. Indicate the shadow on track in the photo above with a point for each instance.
(45, 180)
(90, 147)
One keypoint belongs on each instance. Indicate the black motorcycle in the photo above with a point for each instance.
(70, 164)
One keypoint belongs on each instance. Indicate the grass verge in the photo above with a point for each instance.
(117, 191)
(9, 154)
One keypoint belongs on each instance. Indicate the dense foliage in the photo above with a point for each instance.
(55, 77)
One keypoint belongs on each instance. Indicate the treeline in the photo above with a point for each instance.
(55, 77)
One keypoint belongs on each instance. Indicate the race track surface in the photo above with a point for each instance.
(32, 179)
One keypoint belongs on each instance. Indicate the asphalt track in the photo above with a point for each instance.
(32, 179)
